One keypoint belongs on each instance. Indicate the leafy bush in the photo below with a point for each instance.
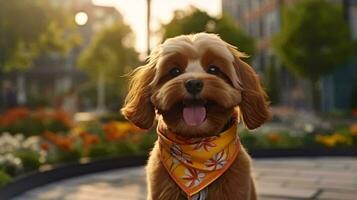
(11, 164)
(30, 160)
(4, 178)
(102, 150)
(147, 141)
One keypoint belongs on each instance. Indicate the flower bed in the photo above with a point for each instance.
(22, 120)
(31, 140)
(96, 140)
(342, 137)
(37, 139)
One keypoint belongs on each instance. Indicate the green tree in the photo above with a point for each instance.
(108, 57)
(314, 40)
(30, 28)
(194, 21)
(273, 85)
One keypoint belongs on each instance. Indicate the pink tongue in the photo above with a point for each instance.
(194, 115)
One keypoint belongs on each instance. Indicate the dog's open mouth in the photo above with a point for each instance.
(194, 112)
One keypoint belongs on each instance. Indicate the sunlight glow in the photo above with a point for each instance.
(81, 18)
(162, 11)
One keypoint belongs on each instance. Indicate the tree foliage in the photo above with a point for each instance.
(314, 40)
(29, 28)
(194, 21)
(273, 85)
(110, 52)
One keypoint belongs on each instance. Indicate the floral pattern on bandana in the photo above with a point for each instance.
(205, 144)
(177, 153)
(193, 177)
(217, 161)
(195, 163)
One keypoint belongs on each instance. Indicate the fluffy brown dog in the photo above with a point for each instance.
(195, 84)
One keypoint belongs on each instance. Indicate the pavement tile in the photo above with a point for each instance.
(346, 159)
(328, 195)
(272, 198)
(287, 192)
(343, 182)
(82, 196)
(50, 193)
(286, 179)
(329, 167)
(302, 185)
(338, 174)
(261, 184)
(332, 187)
(275, 171)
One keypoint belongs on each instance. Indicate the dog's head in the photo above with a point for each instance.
(195, 82)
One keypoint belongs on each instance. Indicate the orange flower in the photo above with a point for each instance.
(14, 115)
(63, 142)
(41, 114)
(353, 129)
(63, 117)
(45, 146)
(273, 137)
(66, 143)
(89, 140)
(136, 138)
(334, 139)
(50, 136)
(83, 134)
(113, 131)
(354, 112)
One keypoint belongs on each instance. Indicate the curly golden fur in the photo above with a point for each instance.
(158, 89)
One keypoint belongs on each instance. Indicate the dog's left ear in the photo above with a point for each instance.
(137, 106)
(254, 107)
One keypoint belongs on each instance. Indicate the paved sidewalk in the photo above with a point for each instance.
(277, 179)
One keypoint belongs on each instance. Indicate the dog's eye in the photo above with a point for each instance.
(212, 69)
(175, 72)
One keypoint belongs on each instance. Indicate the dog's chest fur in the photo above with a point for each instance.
(235, 184)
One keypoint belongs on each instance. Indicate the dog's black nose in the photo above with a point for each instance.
(194, 86)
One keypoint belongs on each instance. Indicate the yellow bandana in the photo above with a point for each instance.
(195, 163)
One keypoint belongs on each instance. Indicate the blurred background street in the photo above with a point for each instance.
(62, 83)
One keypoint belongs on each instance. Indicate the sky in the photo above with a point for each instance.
(134, 13)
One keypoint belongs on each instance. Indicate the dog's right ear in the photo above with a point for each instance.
(254, 107)
(137, 107)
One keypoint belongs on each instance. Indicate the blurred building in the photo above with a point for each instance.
(54, 76)
(261, 19)
(339, 87)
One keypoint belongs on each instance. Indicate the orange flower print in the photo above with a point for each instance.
(193, 177)
(176, 152)
(217, 161)
(205, 144)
